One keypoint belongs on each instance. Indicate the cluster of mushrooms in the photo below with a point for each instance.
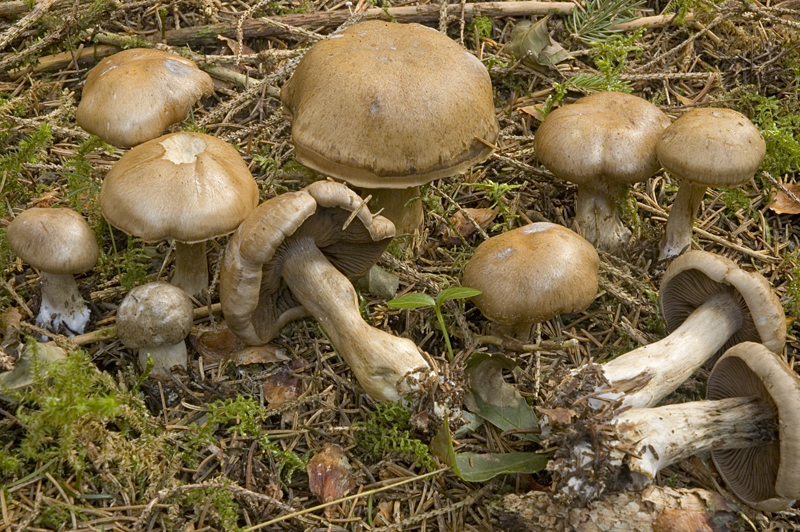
(297, 254)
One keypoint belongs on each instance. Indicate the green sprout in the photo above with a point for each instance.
(418, 300)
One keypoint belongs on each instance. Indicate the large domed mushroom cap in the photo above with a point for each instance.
(134, 95)
(386, 105)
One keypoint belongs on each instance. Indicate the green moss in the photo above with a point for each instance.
(778, 120)
(482, 27)
(388, 431)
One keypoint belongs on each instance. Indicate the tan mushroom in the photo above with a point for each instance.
(296, 255)
(603, 143)
(134, 95)
(189, 187)
(59, 243)
(531, 274)
(705, 147)
(388, 107)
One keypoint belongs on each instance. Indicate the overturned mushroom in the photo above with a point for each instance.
(295, 255)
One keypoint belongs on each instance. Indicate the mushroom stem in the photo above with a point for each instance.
(596, 215)
(62, 304)
(669, 362)
(165, 357)
(379, 360)
(678, 233)
(400, 205)
(191, 267)
(664, 435)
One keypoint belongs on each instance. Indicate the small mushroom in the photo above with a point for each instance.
(531, 274)
(155, 318)
(134, 95)
(190, 187)
(297, 254)
(750, 421)
(603, 143)
(709, 304)
(389, 107)
(705, 147)
(59, 243)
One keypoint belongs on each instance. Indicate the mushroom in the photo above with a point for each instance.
(531, 274)
(750, 421)
(389, 107)
(296, 254)
(190, 187)
(709, 304)
(603, 143)
(59, 243)
(134, 95)
(705, 147)
(156, 318)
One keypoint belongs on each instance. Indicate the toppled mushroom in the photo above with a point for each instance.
(190, 187)
(59, 243)
(295, 255)
(155, 318)
(389, 107)
(523, 279)
(134, 95)
(603, 143)
(705, 147)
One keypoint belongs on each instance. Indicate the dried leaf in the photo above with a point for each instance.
(216, 344)
(560, 416)
(330, 476)
(282, 387)
(465, 228)
(533, 110)
(531, 42)
(260, 354)
(783, 203)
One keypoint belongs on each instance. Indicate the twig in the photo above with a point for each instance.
(789, 194)
(656, 21)
(521, 347)
(26, 22)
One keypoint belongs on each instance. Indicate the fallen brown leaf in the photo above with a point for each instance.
(785, 204)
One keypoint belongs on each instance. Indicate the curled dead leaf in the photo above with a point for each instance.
(465, 228)
(559, 416)
(330, 476)
(786, 204)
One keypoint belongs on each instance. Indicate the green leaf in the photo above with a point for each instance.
(412, 301)
(456, 292)
(521, 416)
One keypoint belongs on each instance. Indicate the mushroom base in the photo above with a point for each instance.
(62, 309)
(165, 357)
(678, 233)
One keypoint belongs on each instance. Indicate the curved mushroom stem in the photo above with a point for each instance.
(597, 218)
(379, 360)
(664, 435)
(62, 305)
(666, 364)
(400, 205)
(678, 233)
(164, 358)
(191, 267)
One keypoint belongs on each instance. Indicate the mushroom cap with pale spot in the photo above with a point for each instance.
(532, 273)
(53, 240)
(189, 187)
(134, 95)
(387, 105)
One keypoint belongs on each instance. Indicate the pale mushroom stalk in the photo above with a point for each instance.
(664, 435)
(400, 205)
(670, 361)
(678, 233)
(379, 360)
(191, 267)
(164, 357)
(597, 214)
(62, 304)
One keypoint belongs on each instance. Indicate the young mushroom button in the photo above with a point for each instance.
(189, 187)
(603, 143)
(134, 95)
(59, 243)
(705, 147)
(389, 107)
(296, 254)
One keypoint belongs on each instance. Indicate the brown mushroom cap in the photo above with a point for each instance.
(766, 477)
(609, 136)
(712, 147)
(693, 278)
(187, 186)
(532, 273)
(386, 105)
(154, 314)
(134, 95)
(54, 240)
(255, 299)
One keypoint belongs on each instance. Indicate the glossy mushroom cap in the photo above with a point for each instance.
(766, 477)
(187, 186)
(53, 240)
(532, 273)
(134, 95)
(697, 276)
(712, 147)
(386, 105)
